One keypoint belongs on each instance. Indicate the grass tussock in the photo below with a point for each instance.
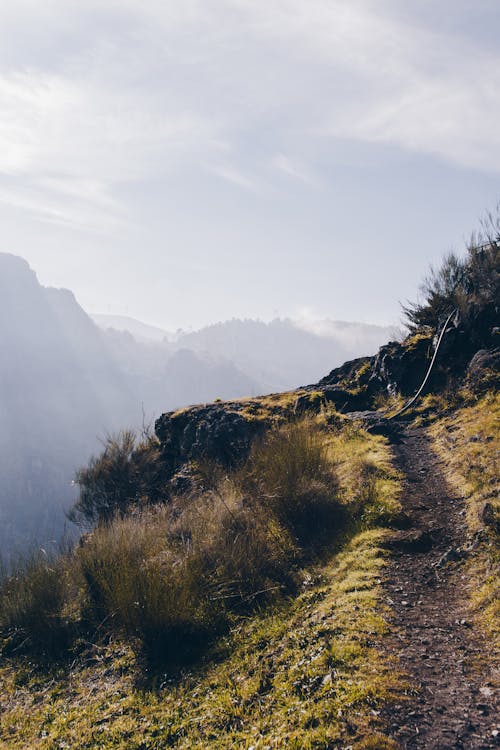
(469, 441)
(290, 475)
(171, 577)
(32, 606)
(128, 473)
(303, 674)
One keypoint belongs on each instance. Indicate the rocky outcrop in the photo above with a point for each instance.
(483, 371)
(218, 431)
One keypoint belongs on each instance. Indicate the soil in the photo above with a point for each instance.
(452, 701)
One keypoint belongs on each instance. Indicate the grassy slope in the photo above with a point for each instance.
(469, 441)
(306, 674)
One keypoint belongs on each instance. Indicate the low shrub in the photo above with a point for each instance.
(32, 601)
(143, 583)
(471, 283)
(127, 473)
(245, 552)
(170, 577)
(290, 472)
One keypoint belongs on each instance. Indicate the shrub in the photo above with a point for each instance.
(128, 472)
(31, 606)
(470, 284)
(245, 553)
(145, 584)
(170, 577)
(289, 471)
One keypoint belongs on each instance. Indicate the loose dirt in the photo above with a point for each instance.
(451, 702)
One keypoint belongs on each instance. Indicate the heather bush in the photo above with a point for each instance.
(127, 473)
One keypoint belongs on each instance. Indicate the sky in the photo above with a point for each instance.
(189, 161)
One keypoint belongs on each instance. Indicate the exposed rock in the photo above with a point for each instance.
(400, 368)
(218, 432)
(451, 555)
(346, 372)
(397, 368)
(344, 399)
(490, 516)
(483, 371)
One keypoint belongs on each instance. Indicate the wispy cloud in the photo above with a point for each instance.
(76, 208)
(292, 168)
(98, 94)
(235, 176)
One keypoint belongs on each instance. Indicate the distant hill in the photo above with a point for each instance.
(59, 388)
(65, 383)
(281, 354)
(284, 353)
(140, 331)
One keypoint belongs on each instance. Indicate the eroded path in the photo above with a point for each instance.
(452, 702)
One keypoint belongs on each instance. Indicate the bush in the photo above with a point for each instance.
(245, 553)
(289, 471)
(142, 583)
(470, 284)
(31, 606)
(128, 472)
(171, 578)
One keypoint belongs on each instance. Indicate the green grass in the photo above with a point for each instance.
(301, 670)
(469, 441)
(303, 675)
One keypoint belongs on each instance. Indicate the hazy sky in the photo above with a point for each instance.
(185, 161)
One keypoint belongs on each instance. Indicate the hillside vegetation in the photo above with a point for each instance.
(246, 572)
(148, 594)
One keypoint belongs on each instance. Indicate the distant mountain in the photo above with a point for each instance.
(166, 376)
(281, 354)
(64, 383)
(284, 353)
(59, 389)
(140, 331)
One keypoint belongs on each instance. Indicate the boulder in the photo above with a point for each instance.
(483, 371)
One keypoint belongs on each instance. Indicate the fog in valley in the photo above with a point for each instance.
(68, 379)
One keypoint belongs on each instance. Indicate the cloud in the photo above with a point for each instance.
(234, 176)
(99, 94)
(52, 124)
(292, 168)
(374, 78)
(77, 206)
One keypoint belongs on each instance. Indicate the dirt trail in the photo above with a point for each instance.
(453, 705)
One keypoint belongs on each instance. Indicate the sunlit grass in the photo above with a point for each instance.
(303, 672)
(469, 441)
